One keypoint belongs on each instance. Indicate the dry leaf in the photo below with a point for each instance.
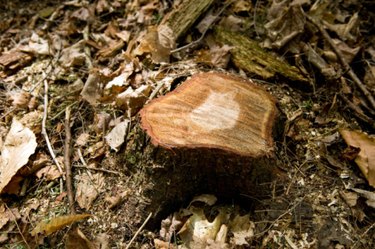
(19, 145)
(56, 224)
(220, 56)
(116, 200)
(124, 35)
(370, 196)
(205, 198)
(20, 99)
(242, 228)
(76, 239)
(369, 78)
(206, 22)
(346, 31)
(159, 244)
(88, 189)
(73, 55)
(83, 14)
(91, 89)
(7, 215)
(241, 6)
(113, 48)
(97, 150)
(366, 156)
(50, 173)
(170, 226)
(37, 45)
(350, 198)
(348, 53)
(119, 81)
(134, 99)
(102, 6)
(101, 122)
(82, 139)
(285, 23)
(102, 241)
(150, 43)
(197, 230)
(27, 207)
(117, 135)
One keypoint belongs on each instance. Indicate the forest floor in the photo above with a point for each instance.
(74, 75)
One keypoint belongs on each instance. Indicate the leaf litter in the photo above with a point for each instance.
(107, 59)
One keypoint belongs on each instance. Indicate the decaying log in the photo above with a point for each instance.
(213, 134)
(249, 56)
(177, 22)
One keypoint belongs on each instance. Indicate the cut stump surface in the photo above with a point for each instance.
(214, 111)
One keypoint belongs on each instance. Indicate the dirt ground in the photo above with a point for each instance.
(75, 74)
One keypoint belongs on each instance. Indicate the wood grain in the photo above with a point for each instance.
(213, 110)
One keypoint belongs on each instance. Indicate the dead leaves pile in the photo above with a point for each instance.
(106, 60)
(191, 228)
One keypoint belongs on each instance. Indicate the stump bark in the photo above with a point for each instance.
(213, 134)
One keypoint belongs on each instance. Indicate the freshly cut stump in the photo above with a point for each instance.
(213, 110)
(213, 134)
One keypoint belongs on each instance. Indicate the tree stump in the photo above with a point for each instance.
(213, 111)
(213, 134)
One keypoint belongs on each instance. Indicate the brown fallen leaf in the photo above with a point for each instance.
(285, 24)
(56, 224)
(150, 43)
(76, 239)
(73, 55)
(20, 143)
(242, 228)
(7, 215)
(88, 189)
(368, 195)
(133, 99)
(37, 46)
(91, 91)
(366, 156)
(159, 244)
(20, 99)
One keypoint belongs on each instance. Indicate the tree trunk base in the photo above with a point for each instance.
(173, 177)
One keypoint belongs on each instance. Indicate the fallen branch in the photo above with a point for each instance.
(346, 66)
(67, 154)
(208, 27)
(44, 130)
(357, 111)
(139, 230)
(18, 227)
(97, 169)
(179, 20)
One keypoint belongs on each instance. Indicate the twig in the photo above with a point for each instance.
(346, 66)
(363, 234)
(156, 90)
(67, 154)
(7, 113)
(44, 131)
(97, 169)
(279, 218)
(81, 158)
(84, 163)
(18, 227)
(52, 18)
(86, 35)
(139, 230)
(357, 112)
